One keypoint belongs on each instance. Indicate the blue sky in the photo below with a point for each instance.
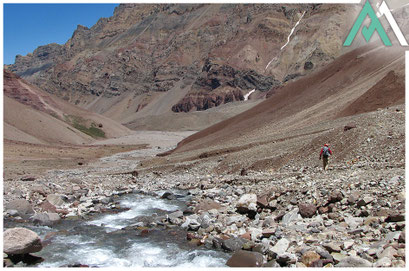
(27, 26)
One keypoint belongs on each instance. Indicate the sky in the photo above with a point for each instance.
(27, 26)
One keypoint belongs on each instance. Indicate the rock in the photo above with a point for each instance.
(353, 261)
(348, 244)
(331, 247)
(281, 246)
(383, 262)
(55, 199)
(353, 222)
(267, 233)
(233, 244)
(244, 258)
(271, 263)
(286, 259)
(323, 210)
(191, 224)
(247, 203)
(48, 207)
(289, 217)
(365, 201)
(349, 127)
(338, 256)
(255, 233)
(28, 178)
(234, 219)
(22, 206)
(206, 205)
(168, 195)
(177, 214)
(353, 197)
(398, 263)
(389, 252)
(395, 217)
(21, 241)
(46, 219)
(262, 201)
(307, 210)
(309, 257)
(269, 222)
(402, 237)
(335, 196)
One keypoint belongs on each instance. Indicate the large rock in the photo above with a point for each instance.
(247, 203)
(244, 258)
(206, 205)
(281, 246)
(309, 257)
(46, 219)
(21, 241)
(233, 244)
(168, 195)
(291, 216)
(395, 217)
(56, 200)
(22, 206)
(353, 261)
(365, 201)
(307, 209)
(335, 197)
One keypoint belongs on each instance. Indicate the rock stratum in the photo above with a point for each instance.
(150, 60)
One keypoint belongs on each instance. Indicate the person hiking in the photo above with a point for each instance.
(325, 153)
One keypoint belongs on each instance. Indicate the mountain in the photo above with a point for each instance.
(148, 64)
(356, 91)
(34, 116)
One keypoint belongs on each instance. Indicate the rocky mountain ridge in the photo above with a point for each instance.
(145, 50)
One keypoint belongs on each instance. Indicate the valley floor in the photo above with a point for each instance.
(294, 215)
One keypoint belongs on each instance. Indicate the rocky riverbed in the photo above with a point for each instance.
(297, 216)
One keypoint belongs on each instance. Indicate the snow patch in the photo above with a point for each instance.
(246, 97)
(292, 31)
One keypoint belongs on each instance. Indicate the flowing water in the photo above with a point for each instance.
(103, 241)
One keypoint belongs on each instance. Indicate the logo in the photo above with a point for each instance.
(375, 25)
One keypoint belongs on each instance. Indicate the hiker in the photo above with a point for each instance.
(325, 153)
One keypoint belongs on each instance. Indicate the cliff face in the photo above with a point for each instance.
(216, 53)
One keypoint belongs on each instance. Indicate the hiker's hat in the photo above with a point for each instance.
(326, 145)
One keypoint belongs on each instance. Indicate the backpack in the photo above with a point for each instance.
(326, 152)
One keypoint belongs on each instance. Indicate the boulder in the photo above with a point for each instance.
(233, 244)
(21, 241)
(395, 217)
(48, 207)
(364, 201)
(56, 200)
(206, 205)
(22, 206)
(335, 197)
(247, 203)
(168, 195)
(234, 219)
(281, 246)
(289, 217)
(286, 259)
(174, 215)
(383, 262)
(332, 247)
(307, 210)
(46, 219)
(309, 257)
(353, 261)
(262, 201)
(244, 258)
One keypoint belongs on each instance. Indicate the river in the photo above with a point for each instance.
(113, 240)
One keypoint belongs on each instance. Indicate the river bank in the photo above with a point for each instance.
(296, 216)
